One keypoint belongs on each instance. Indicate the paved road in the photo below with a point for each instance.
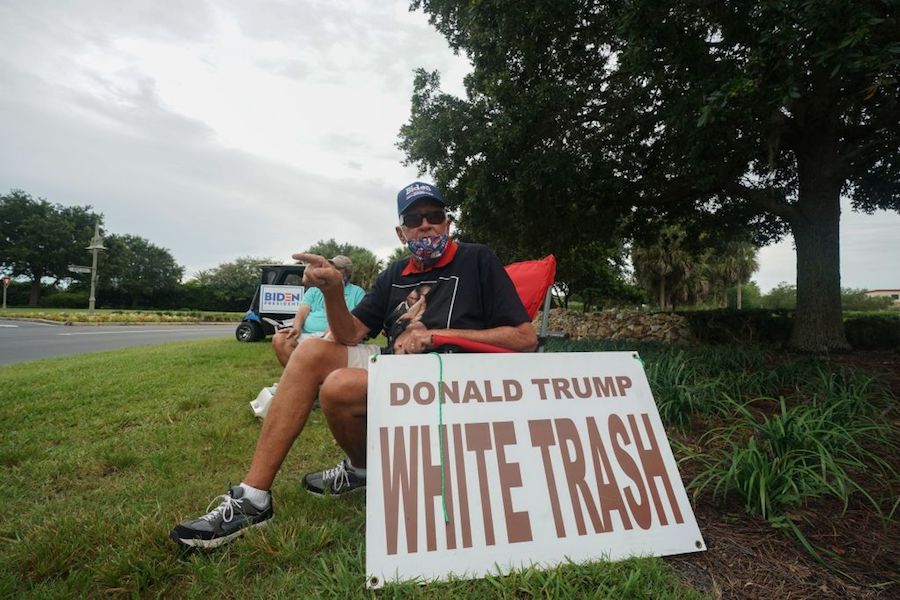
(24, 340)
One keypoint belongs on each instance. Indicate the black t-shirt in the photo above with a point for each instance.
(473, 291)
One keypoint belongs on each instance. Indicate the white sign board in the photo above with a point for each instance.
(547, 458)
(280, 298)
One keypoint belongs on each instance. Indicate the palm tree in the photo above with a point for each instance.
(719, 276)
(664, 267)
(674, 274)
(743, 264)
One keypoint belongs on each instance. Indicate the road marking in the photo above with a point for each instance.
(29, 323)
(126, 330)
(5, 325)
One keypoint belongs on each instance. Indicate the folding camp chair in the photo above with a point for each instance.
(533, 280)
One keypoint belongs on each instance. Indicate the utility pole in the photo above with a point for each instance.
(95, 247)
(5, 280)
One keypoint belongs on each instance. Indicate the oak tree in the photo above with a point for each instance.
(39, 239)
(578, 114)
(136, 268)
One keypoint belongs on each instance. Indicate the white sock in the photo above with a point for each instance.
(259, 498)
(361, 473)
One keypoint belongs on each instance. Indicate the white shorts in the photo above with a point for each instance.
(359, 356)
(306, 336)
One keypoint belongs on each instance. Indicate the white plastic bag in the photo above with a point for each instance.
(260, 405)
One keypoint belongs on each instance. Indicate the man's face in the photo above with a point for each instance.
(415, 224)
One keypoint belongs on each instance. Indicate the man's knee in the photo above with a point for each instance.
(344, 389)
(283, 345)
(317, 357)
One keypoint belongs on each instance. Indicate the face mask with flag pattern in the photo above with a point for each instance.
(429, 249)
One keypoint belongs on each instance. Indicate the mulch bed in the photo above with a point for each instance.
(748, 558)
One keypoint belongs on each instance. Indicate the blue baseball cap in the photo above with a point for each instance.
(416, 191)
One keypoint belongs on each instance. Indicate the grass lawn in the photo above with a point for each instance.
(102, 454)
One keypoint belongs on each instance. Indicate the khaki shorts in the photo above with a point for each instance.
(359, 356)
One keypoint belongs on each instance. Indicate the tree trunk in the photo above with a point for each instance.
(35, 292)
(818, 321)
(738, 297)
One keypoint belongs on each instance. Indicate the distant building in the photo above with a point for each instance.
(894, 295)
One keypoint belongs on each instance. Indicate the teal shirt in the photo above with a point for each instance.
(316, 321)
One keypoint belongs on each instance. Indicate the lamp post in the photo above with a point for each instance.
(95, 247)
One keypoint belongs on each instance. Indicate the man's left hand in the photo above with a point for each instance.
(416, 339)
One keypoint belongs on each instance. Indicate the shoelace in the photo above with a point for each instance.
(338, 475)
(226, 509)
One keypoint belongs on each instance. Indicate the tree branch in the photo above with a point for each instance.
(766, 199)
(689, 187)
(864, 150)
(858, 140)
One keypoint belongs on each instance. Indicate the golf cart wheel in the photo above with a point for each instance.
(248, 331)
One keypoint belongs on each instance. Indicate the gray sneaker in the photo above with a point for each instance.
(336, 481)
(233, 517)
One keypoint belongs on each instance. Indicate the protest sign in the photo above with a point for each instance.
(547, 458)
(280, 298)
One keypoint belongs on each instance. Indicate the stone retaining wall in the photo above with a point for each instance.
(619, 324)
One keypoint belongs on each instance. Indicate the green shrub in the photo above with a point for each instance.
(66, 300)
(789, 378)
(878, 331)
(856, 299)
(647, 350)
(873, 332)
(781, 297)
(856, 395)
(682, 388)
(758, 326)
(780, 461)
(751, 297)
(784, 296)
(719, 359)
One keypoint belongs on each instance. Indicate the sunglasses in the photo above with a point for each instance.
(435, 217)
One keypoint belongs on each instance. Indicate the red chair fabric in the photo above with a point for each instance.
(467, 345)
(532, 279)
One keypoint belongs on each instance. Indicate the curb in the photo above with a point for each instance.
(123, 323)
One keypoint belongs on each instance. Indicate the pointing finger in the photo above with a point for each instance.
(313, 260)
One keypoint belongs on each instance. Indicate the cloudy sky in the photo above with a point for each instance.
(249, 127)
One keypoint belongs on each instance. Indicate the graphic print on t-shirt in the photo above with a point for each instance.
(427, 304)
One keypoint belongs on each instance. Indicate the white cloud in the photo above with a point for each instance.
(870, 250)
(216, 129)
(249, 127)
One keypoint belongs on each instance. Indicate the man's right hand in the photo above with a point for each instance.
(319, 272)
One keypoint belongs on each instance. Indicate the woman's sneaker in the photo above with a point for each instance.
(336, 481)
(233, 517)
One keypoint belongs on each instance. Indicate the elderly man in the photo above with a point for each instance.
(311, 320)
(446, 287)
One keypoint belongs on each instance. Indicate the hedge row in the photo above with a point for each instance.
(773, 327)
(189, 297)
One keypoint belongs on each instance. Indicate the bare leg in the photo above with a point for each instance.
(283, 344)
(307, 368)
(343, 399)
